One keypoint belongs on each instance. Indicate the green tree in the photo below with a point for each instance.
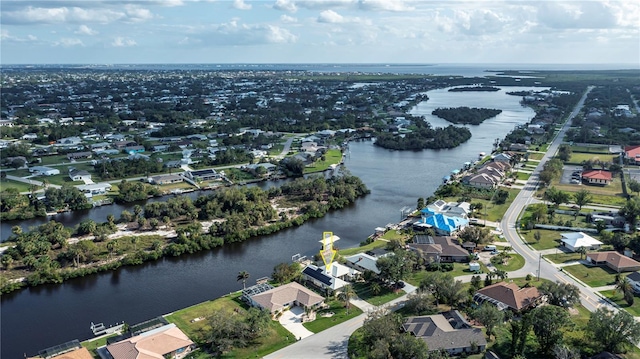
(564, 152)
(547, 323)
(444, 287)
(537, 236)
(420, 204)
(490, 316)
(624, 286)
(634, 186)
(582, 251)
(375, 288)
(393, 268)
(242, 276)
(561, 294)
(630, 211)
(582, 198)
(286, 272)
(345, 296)
(613, 331)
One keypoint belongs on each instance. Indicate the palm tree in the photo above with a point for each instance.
(582, 251)
(625, 287)
(375, 288)
(243, 276)
(345, 295)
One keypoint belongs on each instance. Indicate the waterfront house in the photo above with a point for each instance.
(286, 296)
(95, 188)
(446, 331)
(44, 171)
(165, 342)
(453, 209)
(320, 278)
(502, 157)
(509, 296)
(443, 225)
(79, 175)
(69, 350)
(166, 179)
(575, 240)
(203, 175)
(439, 249)
(363, 262)
(614, 260)
(481, 180)
(597, 177)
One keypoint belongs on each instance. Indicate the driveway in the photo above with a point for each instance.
(291, 320)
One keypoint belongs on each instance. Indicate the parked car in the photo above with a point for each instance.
(575, 181)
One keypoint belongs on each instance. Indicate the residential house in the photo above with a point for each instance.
(123, 144)
(598, 177)
(79, 175)
(44, 171)
(286, 296)
(614, 260)
(518, 147)
(165, 342)
(322, 279)
(160, 148)
(439, 249)
(29, 136)
(95, 188)
(203, 175)
(575, 240)
(173, 164)
(446, 331)
(69, 141)
(453, 209)
(634, 280)
(632, 154)
(69, 350)
(502, 157)
(363, 262)
(166, 179)
(509, 296)
(481, 180)
(101, 146)
(78, 155)
(134, 149)
(443, 225)
(609, 218)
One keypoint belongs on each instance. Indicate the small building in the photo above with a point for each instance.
(509, 296)
(286, 296)
(446, 331)
(165, 342)
(613, 260)
(597, 177)
(78, 155)
(79, 175)
(44, 171)
(575, 240)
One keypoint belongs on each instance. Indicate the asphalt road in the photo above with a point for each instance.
(332, 343)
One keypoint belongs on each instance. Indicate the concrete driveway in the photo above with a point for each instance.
(291, 320)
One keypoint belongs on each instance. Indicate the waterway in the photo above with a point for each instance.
(36, 318)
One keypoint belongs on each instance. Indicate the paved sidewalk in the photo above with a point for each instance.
(291, 320)
(603, 288)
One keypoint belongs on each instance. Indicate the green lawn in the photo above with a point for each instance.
(514, 263)
(277, 338)
(592, 276)
(494, 212)
(578, 158)
(340, 315)
(92, 345)
(459, 269)
(351, 251)
(548, 238)
(600, 149)
(363, 290)
(618, 298)
(523, 176)
(535, 156)
(53, 160)
(395, 234)
(562, 257)
(332, 157)
(22, 187)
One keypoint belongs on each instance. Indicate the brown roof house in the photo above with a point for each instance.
(439, 249)
(286, 296)
(509, 296)
(165, 342)
(614, 260)
(448, 331)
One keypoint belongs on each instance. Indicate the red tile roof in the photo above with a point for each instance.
(510, 294)
(632, 151)
(597, 174)
(614, 258)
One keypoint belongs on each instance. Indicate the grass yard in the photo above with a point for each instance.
(21, 186)
(562, 257)
(578, 158)
(523, 176)
(548, 238)
(54, 160)
(340, 315)
(601, 149)
(535, 156)
(608, 195)
(395, 234)
(592, 276)
(514, 263)
(618, 298)
(351, 251)
(277, 338)
(363, 290)
(494, 212)
(92, 345)
(459, 269)
(332, 157)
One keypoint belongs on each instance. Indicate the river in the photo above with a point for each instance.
(36, 318)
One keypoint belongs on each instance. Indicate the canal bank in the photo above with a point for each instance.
(134, 294)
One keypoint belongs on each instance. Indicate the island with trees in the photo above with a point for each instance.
(52, 253)
(466, 115)
(474, 89)
(424, 137)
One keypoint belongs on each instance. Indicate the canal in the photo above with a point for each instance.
(36, 318)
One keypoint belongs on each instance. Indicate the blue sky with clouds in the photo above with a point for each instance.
(319, 31)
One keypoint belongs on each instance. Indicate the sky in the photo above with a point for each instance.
(319, 31)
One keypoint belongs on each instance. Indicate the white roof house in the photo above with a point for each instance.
(362, 262)
(341, 271)
(575, 240)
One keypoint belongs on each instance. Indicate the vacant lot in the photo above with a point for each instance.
(592, 276)
(548, 238)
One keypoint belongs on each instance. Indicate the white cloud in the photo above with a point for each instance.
(332, 17)
(54, 15)
(285, 5)
(234, 33)
(241, 5)
(288, 19)
(138, 14)
(5, 36)
(68, 42)
(123, 42)
(86, 30)
(576, 15)
(384, 5)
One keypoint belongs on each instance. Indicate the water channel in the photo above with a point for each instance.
(36, 318)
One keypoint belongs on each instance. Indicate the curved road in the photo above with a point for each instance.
(332, 343)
